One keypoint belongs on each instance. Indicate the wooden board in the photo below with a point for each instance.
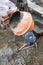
(35, 7)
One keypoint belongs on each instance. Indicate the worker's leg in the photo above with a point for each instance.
(29, 38)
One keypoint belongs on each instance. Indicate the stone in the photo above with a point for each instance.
(15, 49)
(8, 52)
(19, 60)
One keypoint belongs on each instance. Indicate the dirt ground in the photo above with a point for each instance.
(9, 43)
(32, 55)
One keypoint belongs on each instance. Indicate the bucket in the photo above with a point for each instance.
(14, 20)
(24, 22)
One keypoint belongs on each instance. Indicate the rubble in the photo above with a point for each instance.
(19, 60)
(3, 59)
(9, 54)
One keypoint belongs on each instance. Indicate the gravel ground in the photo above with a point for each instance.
(9, 54)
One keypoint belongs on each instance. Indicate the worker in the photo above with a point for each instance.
(25, 26)
(22, 22)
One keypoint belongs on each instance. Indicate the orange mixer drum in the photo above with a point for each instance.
(26, 23)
